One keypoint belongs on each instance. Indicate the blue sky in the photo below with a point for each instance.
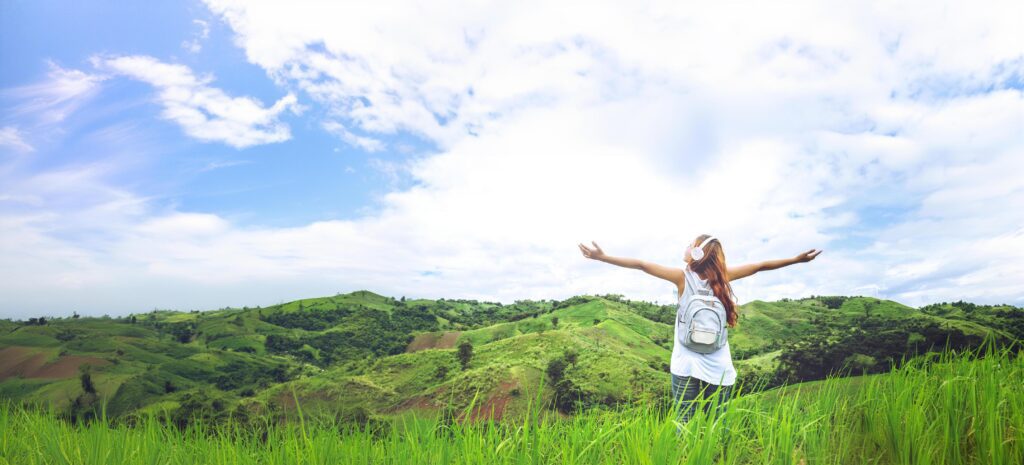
(195, 155)
(312, 176)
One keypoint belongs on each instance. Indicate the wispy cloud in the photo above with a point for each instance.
(205, 112)
(195, 43)
(55, 98)
(216, 165)
(11, 138)
(368, 144)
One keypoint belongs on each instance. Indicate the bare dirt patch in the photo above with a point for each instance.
(420, 402)
(422, 341)
(16, 361)
(494, 406)
(31, 363)
(448, 340)
(67, 366)
(437, 340)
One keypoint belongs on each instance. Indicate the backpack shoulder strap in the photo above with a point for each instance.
(691, 281)
(688, 279)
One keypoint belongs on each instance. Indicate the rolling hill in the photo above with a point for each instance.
(359, 355)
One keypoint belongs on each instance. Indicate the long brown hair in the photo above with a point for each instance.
(712, 268)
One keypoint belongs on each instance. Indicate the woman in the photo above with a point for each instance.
(694, 374)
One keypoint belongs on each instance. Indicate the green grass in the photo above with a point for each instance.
(32, 336)
(947, 408)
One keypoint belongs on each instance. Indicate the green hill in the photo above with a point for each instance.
(953, 408)
(362, 354)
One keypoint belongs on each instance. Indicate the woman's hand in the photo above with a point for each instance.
(743, 271)
(596, 253)
(807, 256)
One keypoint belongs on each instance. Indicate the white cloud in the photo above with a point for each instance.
(205, 112)
(51, 101)
(216, 165)
(195, 43)
(12, 138)
(368, 144)
(857, 128)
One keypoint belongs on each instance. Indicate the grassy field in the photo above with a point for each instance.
(948, 408)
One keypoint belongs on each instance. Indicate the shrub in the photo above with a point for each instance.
(465, 353)
(556, 370)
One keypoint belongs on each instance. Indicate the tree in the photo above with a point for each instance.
(570, 357)
(87, 385)
(281, 373)
(567, 394)
(65, 335)
(556, 370)
(183, 332)
(465, 353)
(199, 407)
(36, 321)
(83, 405)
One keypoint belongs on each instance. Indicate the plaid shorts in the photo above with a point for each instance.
(688, 391)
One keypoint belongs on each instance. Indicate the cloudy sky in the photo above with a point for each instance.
(196, 155)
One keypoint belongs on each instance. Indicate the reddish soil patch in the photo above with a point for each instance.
(494, 407)
(497, 401)
(16, 361)
(433, 400)
(67, 366)
(415, 402)
(28, 363)
(422, 341)
(448, 340)
(443, 340)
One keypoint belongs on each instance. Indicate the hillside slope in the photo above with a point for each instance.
(360, 354)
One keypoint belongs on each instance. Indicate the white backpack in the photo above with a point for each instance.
(701, 319)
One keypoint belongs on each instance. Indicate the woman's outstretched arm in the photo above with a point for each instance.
(673, 275)
(742, 271)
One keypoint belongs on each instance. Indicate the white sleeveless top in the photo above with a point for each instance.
(714, 368)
